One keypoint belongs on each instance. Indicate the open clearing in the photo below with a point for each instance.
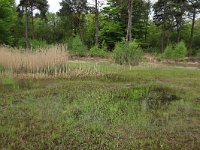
(113, 107)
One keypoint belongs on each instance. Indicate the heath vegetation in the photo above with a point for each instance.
(100, 75)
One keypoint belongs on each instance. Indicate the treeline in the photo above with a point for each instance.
(152, 26)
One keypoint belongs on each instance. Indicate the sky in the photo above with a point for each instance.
(54, 5)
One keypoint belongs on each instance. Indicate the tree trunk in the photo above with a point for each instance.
(168, 38)
(129, 28)
(192, 29)
(26, 30)
(97, 22)
(162, 40)
(146, 31)
(32, 21)
(178, 35)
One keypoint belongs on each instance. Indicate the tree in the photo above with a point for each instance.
(97, 22)
(30, 6)
(117, 10)
(178, 9)
(110, 33)
(112, 25)
(164, 19)
(194, 10)
(75, 10)
(7, 20)
(129, 27)
(90, 30)
(140, 25)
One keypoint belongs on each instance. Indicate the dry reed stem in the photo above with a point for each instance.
(46, 58)
(46, 64)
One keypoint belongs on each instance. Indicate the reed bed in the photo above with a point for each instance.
(14, 59)
(43, 64)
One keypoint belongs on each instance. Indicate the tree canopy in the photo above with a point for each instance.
(153, 25)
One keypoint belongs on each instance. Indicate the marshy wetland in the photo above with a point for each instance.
(101, 105)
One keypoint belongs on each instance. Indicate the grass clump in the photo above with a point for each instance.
(130, 54)
(179, 51)
(97, 52)
(8, 82)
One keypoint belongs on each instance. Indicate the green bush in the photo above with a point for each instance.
(179, 51)
(37, 44)
(198, 54)
(119, 53)
(97, 52)
(34, 44)
(130, 54)
(77, 47)
(169, 51)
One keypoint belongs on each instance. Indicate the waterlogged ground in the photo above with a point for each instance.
(124, 108)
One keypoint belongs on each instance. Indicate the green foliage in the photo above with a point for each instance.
(111, 32)
(130, 54)
(97, 52)
(40, 5)
(153, 37)
(169, 51)
(89, 31)
(75, 10)
(77, 47)
(177, 52)
(36, 44)
(198, 54)
(180, 50)
(8, 82)
(21, 43)
(7, 19)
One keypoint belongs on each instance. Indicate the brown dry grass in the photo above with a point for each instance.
(16, 59)
(44, 64)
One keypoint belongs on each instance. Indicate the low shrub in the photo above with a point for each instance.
(97, 52)
(169, 51)
(38, 44)
(128, 54)
(198, 53)
(77, 47)
(33, 44)
(21, 43)
(179, 51)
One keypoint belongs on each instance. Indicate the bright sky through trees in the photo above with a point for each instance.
(54, 5)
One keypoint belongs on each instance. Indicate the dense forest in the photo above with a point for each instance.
(154, 26)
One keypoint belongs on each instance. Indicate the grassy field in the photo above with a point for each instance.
(100, 105)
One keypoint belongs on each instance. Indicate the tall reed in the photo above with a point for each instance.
(43, 64)
(19, 60)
